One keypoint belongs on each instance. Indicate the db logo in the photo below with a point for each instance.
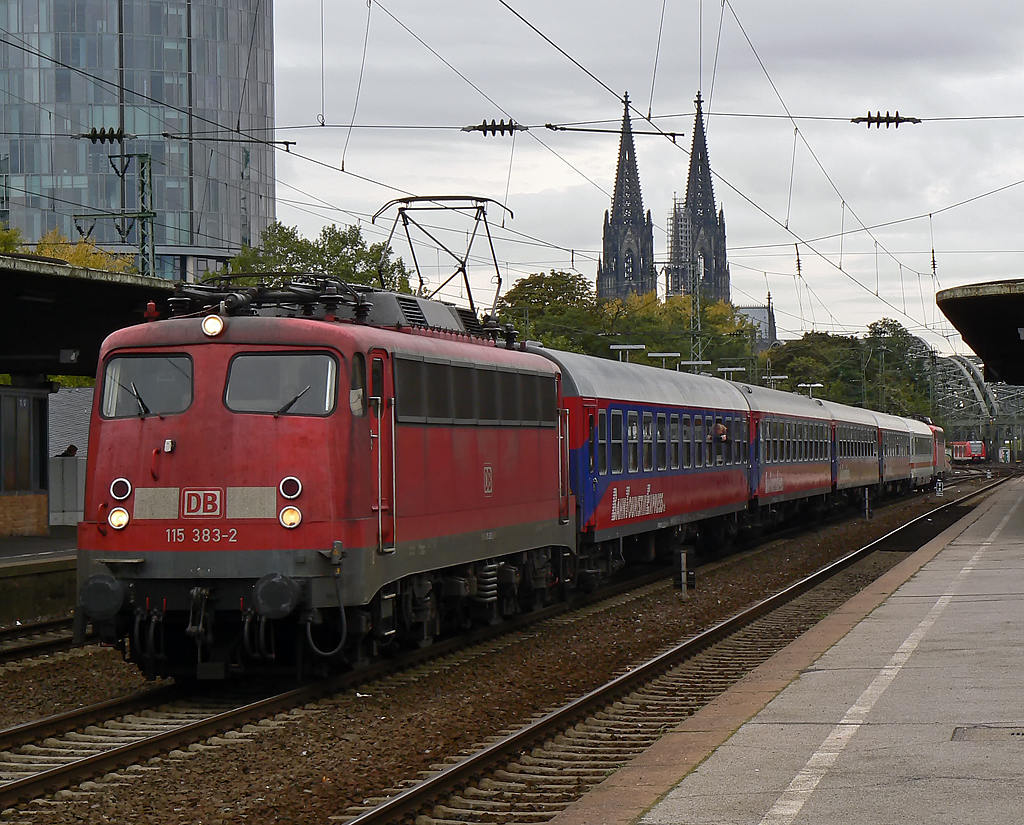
(201, 503)
(488, 480)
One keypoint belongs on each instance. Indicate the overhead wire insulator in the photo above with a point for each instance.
(877, 119)
(110, 135)
(499, 127)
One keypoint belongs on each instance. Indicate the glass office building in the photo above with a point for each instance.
(189, 81)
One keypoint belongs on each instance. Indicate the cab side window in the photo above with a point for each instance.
(357, 390)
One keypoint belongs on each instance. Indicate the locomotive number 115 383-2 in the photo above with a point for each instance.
(203, 535)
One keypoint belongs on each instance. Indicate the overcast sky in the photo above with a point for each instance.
(822, 62)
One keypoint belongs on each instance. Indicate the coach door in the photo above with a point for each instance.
(382, 410)
(587, 471)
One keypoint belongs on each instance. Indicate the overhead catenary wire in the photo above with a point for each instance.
(359, 82)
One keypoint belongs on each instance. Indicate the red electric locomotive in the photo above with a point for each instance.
(246, 509)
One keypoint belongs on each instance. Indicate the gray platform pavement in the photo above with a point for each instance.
(59, 544)
(906, 706)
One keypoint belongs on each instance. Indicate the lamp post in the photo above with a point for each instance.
(810, 388)
(730, 370)
(626, 348)
(773, 379)
(663, 356)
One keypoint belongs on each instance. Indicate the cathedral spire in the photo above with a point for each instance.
(700, 195)
(627, 202)
(697, 250)
(627, 265)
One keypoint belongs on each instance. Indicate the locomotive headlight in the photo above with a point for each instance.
(213, 325)
(290, 517)
(118, 518)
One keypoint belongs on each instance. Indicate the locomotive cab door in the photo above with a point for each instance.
(382, 446)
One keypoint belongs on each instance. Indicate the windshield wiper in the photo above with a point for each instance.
(143, 409)
(289, 405)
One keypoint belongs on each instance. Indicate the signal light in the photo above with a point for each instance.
(118, 518)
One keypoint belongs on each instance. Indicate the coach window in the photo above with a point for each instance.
(719, 435)
(662, 441)
(648, 441)
(687, 436)
(698, 441)
(633, 437)
(737, 441)
(673, 441)
(602, 443)
(616, 441)
(709, 426)
(776, 452)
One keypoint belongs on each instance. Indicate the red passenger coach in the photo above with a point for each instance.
(856, 447)
(792, 444)
(651, 449)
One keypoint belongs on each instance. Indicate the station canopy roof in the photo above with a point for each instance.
(990, 318)
(55, 316)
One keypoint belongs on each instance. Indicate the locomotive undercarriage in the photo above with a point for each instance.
(212, 629)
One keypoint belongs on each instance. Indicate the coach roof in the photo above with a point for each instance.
(589, 377)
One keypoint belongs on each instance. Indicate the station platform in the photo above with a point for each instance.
(61, 543)
(906, 705)
(37, 575)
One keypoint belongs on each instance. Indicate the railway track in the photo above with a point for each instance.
(35, 639)
(60, 751)
(533, 773)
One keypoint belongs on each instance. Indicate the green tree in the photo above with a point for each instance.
(887, 370)
(337, 252)
(559, 309)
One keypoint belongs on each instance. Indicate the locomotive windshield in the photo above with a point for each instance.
(146, 385)
(282, 383)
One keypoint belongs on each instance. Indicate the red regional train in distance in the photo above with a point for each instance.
(301, 477)
(968, 452)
